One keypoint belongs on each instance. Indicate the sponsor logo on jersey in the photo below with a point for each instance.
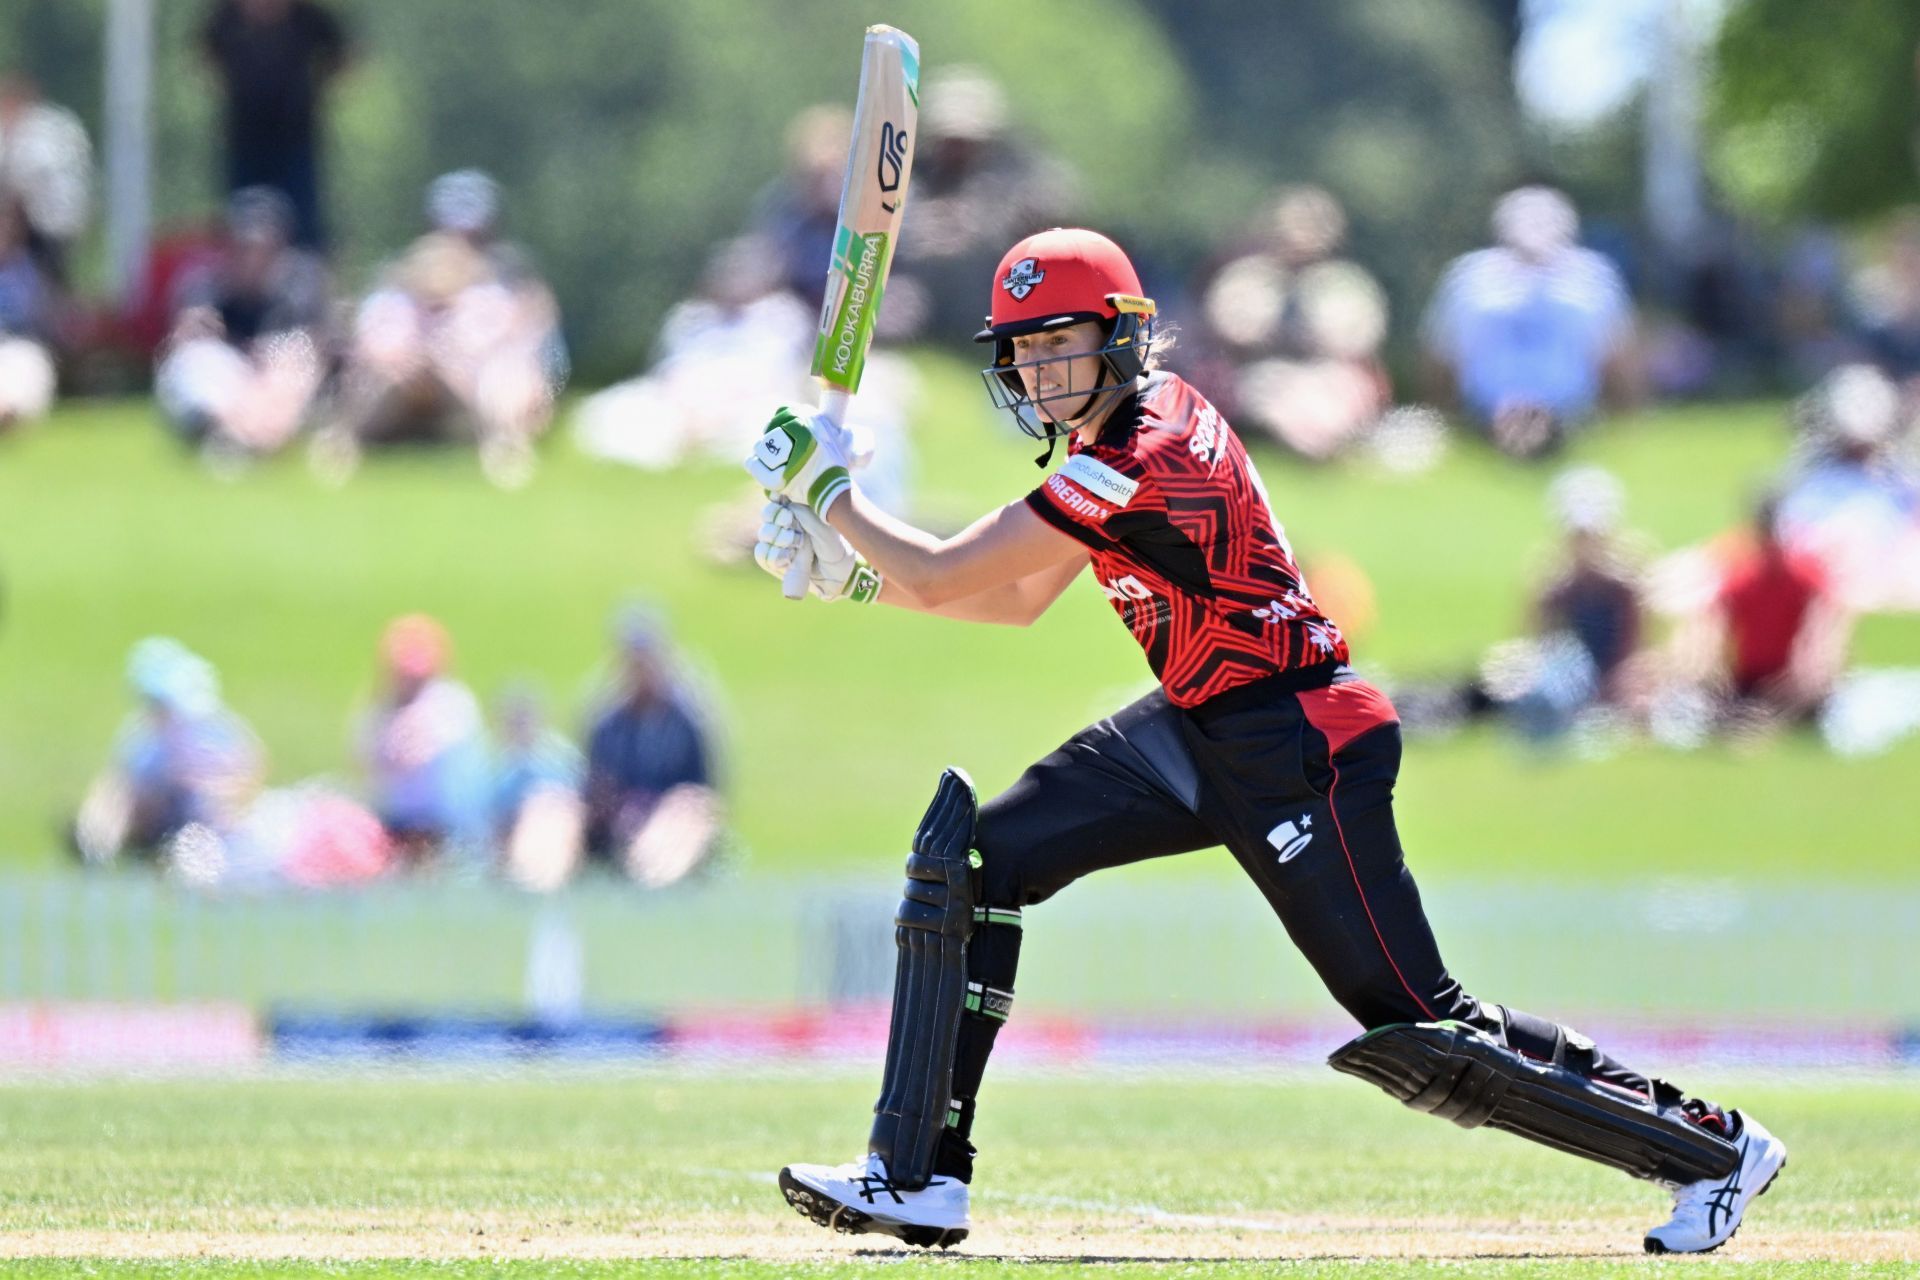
(1100, 480)
(1075, 501)
(1136, 602)
(1292, 836)
(1021, 277)
(1207, 436)
(1127, 588)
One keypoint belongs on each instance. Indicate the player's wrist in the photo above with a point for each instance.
(863, 584)
(827, 488)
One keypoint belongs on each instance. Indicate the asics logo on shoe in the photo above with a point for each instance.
(871, 1186)
(1720, 1203)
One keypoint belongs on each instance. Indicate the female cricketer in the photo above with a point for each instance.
(1260, 737)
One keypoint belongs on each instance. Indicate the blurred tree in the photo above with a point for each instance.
(1814, 107)
(1404, 109)
(631, 135)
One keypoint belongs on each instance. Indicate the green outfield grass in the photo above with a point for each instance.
(839, 718)
(659, 1174)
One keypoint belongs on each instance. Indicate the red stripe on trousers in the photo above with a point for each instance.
(1342, 712)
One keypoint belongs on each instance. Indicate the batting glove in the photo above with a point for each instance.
(839, 572)
(801, 457)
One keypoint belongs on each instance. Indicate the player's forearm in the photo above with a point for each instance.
(928, 569)
(1007, 605)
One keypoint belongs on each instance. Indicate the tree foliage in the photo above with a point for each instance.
(1813, 107)
(632, 134)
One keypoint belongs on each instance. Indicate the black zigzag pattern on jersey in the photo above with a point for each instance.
(1201, 500)
(1195, 564)
(1154, 537)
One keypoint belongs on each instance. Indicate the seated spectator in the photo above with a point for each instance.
(1768, 646)
(737, 346)
(1850, 498)
(537, 811)
(1526, 335)
(1298, 329)
(27, 374)
(1594, 598)
(46, 163)
(424, 747)
(740, 344)
(245, 355)
(181, 760)
(1577, 667)
(460, 339)
(652, 810)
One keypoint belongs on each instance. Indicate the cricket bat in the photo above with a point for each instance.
(886, 117)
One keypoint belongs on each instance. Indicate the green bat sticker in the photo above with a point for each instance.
(846, 331)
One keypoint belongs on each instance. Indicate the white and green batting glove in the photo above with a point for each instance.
(779, 540)
(838, 572)
(801, 457)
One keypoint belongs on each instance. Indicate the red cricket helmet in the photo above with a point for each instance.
(1056, 277)
(1063, 276)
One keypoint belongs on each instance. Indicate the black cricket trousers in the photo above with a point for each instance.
(1297, 783)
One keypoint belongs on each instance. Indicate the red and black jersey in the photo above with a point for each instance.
(1186, 546)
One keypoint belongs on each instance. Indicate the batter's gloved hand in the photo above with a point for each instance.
(801, 456)
(838, 572)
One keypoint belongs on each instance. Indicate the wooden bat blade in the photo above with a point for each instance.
(879, 167)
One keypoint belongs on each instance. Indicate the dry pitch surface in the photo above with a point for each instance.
(1156, 1176)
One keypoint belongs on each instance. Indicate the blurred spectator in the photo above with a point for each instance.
(1578, 666)
(652, 809)
(46, 164)
(1773, 641)
(797, 214)
(1851, 498)
(1593, 599)
(181, 761)
(975, 191)
(1298, 328)
(27, 375)
(244, 358)
(275, 59)
(1887, 296)
(460, 338)
(425, 748)
(1528, 333)
(1810, 307)
(538, 816)
(724, 355)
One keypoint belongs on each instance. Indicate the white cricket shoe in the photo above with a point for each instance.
(859, 1197)
(1707, 1213)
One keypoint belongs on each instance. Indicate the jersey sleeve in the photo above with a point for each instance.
(1096, 496)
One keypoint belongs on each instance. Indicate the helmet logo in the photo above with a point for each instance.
(1021, 278)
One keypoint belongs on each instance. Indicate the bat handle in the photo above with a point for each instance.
(794, 585)
(833, 407)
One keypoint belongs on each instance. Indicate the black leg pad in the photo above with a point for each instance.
(929, 986)
(1460, 1073)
